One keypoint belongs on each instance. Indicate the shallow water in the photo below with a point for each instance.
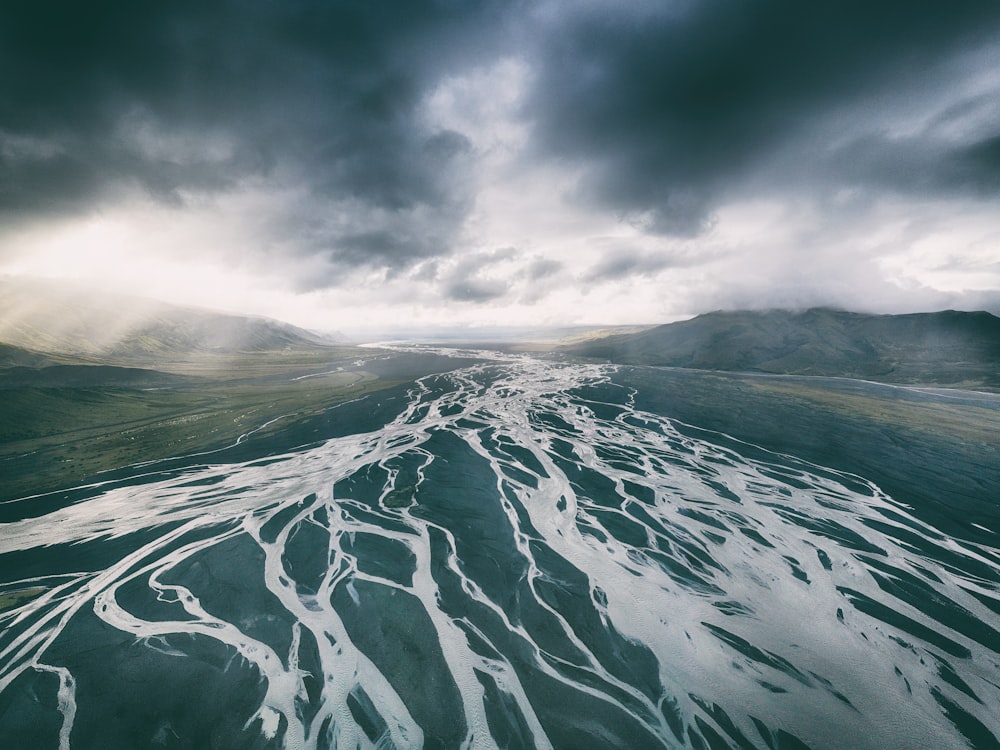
(520, 559)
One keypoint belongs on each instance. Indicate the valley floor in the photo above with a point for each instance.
(522, 552)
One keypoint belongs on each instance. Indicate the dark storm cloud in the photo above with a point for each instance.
(618, 265)
(622, 263)
(97, 99)
(672, 107)
(664, 110)
(918, 165)
(474, 277)
(475, 290)
(543, 268)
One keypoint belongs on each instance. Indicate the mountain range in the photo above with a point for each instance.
(41, 319)
(947, 348)
(45, 324)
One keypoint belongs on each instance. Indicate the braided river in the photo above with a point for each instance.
(517, 558)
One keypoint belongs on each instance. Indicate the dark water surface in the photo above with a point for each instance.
(515, 557)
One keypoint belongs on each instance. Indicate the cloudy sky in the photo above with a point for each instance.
(352, 164)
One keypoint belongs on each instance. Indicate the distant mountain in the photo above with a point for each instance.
(956, 348)
(182, 331)
(54, 318)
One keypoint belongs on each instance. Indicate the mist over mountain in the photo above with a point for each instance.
(55, 318)
(946, 347)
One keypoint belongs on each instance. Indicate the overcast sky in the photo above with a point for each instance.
(351, 164)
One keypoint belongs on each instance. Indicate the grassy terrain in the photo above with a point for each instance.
(56, 437)
(11, 599)
(938, 452)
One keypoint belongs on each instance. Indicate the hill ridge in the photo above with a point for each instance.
(945, 347)
(54, 319)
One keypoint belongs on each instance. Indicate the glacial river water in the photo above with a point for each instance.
(520, 559)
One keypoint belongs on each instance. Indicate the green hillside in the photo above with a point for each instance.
(953, 348)
(16, 356)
